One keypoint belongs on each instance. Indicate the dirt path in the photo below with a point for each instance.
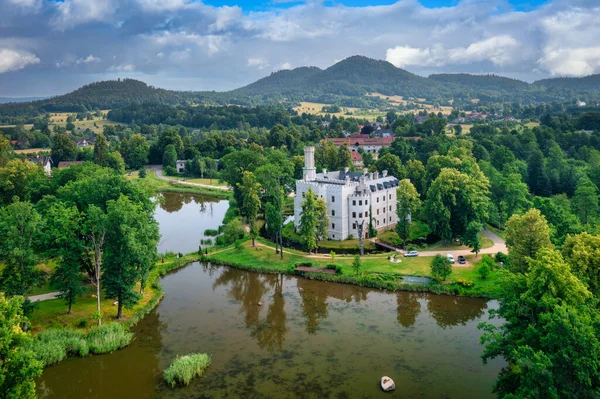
(44, 297)
(158, 173)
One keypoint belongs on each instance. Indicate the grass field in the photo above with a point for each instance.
(395, 100)
(532, 124)
(316, 109)
(211, 182)
(96, 125)
(33, 150)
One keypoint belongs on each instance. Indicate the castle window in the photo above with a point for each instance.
(333, 225)
(332, 212)
(353, 214)
(390, 208)
(378, 223)
(378, 200)
(332, 198)
(383, 210)
(366, 214)
(378, 211)
(360, 202)
(360, 215)
(390, 196)
(353, 202)
(366, 202)
(353, 226)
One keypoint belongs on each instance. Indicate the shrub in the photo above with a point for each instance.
(211, 232)
(502, 258)
(82, 323)
(170, 171)
(185, 368)
(142, 173)
(206, 241)
(464, 283)
(108, 338)
(485, 266)
(52, 346)
(441, 267)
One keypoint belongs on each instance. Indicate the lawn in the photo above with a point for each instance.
(33, 150)
(210, 182)
(453, 246)
(96, 125)
(317, 109)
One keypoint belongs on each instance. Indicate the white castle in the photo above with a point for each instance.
(351, 197)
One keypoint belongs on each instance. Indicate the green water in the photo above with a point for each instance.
(309, 339)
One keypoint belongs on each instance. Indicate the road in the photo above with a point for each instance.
(158, 173)
(498, 246)
(44, 297)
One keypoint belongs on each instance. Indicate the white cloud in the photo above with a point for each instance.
(70, 13)
(26, 3)
(164, 5)
(14, 60)
(88, 60)
(225, 17)
(122, 68)
(284, 66)
(260, 63)
(499, 50)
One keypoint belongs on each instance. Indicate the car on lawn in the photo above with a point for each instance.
(461, 260)
(450, 258)
(411, 254)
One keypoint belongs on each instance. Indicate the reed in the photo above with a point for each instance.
(185, 368)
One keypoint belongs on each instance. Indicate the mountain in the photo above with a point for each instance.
(4, 100)
(346, 83)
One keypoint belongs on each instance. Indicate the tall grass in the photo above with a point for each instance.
(185, 368)
(52, 346)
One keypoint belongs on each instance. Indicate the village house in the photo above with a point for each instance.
(44, 162)
(353, 198)
(180, 165)
(368, 144)
(357, 159)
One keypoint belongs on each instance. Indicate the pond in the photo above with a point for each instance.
(183, 218)
(275, 336)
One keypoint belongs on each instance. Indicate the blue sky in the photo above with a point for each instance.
(225, 44)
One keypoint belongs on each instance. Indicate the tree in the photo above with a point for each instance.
(100, 149)
(20, 228)
(314, 221)
(392, 164)
(94, 233)
(441, 267)
(356, 265)
(485, 266)
(115, 161)
(142, 173)
(454, 200)
(537, 174)
(585, 200)
(62, 239)
(135, 151)
(408, 204)
(250, 203)
(16, 179)
(233, 231)
(415, 172)
(471, 237)
(63, 148)
(582, 252)
(170, 156)
(18, 365)
(550, 336)
(344, 157)
(433, 126)
(130, 250)
(525, 236)
(4, 150)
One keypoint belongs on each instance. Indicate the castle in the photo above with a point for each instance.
(352, 198)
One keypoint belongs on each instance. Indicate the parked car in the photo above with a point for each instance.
(461, 260)
(411, 254)
(450, 258)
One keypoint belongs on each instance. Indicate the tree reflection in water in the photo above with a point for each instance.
(408, 307)
(452, 310)
(173, 202)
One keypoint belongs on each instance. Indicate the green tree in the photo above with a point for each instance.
(62, 233)
(20, 228)
(344, 157)
(582, 252)
(537, 174)
(115, 161)
(454, 200)
(356, 265)
(408, 204)
(130, 250)
(392, 164)
(485, 266)
(525, 236)
(4, 150)
(433, 126)
(471, 237)
(314, 221)
(250, 203)
(415, 172)
(585, 200)
(135, 151)
(550, 336)
(142, 173)
(233, 231)
(170, 156)
(17, 178)
(18, 365)
(63, 148)
(100, 149)
(441, 267)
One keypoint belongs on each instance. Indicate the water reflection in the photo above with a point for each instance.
(307, 339)
(183, 218)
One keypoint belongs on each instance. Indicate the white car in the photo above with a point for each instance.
(450, 258)
(411, 254)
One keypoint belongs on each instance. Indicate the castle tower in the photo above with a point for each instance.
(310, 172)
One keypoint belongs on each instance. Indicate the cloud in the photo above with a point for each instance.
(499, 50)
(88, 60)
(26, 3)
(164, 5)
(121, 68)
(14, 60)
(260, 63)
(70, 13)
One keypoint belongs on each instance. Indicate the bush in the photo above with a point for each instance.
(337, 268)
(52, 346)
(485, 266)
(211, 232)
(170, 170)
(185, 368)
(142, 173)
(502, 258)
(206, 241)
(441, 268)
(108, 338)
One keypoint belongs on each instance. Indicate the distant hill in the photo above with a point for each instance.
(4, 100)
(345, 83)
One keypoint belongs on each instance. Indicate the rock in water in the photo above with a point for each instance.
(387, 384)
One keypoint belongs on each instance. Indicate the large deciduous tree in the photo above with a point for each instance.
(392, 164)
(441, 267)
(18, 365)
(250, 204)
(525, 236)
(100, 149)
(314, 221)
(550, 336)
(471, 237)
(16, 179)
(408, 204)
(63, 148)
(582, 252)
(585, 200)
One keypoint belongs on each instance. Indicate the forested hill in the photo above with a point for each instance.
(100, 95)
(345, 83)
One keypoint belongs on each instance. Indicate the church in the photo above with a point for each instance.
(352, 198)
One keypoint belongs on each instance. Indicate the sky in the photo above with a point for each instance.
(50, 47)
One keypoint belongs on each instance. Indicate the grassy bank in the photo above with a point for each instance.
(153, 183)
(377, 270)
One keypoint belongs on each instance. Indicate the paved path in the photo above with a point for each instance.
(44, 297)
(158, 173)
(498, 246)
